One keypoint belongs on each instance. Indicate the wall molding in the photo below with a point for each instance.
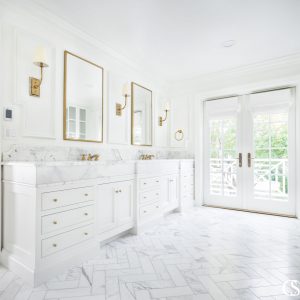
(32, 10)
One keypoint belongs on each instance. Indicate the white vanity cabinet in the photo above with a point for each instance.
(56, 215)
(114, 208)
(55, 218)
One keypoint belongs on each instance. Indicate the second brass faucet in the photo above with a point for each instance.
(146, 157)
(90, 157)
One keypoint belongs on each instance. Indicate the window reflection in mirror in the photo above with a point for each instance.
(83, 99)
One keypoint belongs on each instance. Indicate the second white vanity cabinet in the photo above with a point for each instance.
(157, 189)
(114, 207)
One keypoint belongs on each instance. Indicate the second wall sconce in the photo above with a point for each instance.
(40, 61)
(167, 109)
(126, 94)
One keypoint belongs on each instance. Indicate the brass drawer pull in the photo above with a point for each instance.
(54, 245)
(86, 233)
(86, 195)
(54, 222)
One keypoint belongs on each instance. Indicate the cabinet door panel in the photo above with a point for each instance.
(173, 190)
(124, 202)
(105, 207)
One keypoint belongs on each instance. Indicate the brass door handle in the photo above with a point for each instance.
(240, 158)
(249, 159)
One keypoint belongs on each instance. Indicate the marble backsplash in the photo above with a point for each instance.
(41, 153)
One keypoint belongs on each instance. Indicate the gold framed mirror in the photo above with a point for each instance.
(141, 115)
(83, 99)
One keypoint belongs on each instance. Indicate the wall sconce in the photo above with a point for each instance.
(167, 109)
(126, 93)
(40, 61)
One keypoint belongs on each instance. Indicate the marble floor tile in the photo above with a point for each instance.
(202, 254)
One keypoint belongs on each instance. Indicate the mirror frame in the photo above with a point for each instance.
(66, 53)
(132, 114)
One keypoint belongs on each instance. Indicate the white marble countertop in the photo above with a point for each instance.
(85, 163)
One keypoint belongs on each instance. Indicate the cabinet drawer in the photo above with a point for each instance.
(68, 239)
(149, 182)
(57, 199)
(149, 211)
(149, 196)
(67, 218)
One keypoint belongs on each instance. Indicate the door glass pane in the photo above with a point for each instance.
(271, 156)
(223, 162)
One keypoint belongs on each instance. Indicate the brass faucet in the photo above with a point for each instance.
(90, 157)
(146, 156)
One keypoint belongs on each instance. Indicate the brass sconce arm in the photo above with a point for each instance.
(35, 83)
(161, 119)
(119, 106)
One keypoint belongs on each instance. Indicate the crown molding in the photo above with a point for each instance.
(32, 10)
(282, 67)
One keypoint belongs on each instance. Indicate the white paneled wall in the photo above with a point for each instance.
(40, 120)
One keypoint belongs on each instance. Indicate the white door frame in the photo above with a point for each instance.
(241, 90)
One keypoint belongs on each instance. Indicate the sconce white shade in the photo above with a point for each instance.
(167, 106)
(40, 57)
(126, 89)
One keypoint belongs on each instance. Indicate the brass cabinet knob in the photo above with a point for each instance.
(86, 195)
(116, 191)
(85, 233)
(55, 200)
(86, 214)
(54, 222)
(54, 245)
(120, 191)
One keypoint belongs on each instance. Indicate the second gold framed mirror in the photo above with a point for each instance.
(141, 115)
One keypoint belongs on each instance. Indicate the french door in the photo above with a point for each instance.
(249, 152)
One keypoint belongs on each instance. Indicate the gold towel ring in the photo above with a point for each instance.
(180, 133)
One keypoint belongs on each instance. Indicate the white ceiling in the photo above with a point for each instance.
(180, 39)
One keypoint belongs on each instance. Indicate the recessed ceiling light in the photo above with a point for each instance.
(228, 43)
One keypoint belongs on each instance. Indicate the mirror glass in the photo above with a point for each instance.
(83, 100)
(141, 115)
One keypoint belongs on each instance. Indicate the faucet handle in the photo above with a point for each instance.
(96, 156)
(83, 156)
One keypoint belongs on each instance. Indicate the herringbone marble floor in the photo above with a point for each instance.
(205, 253)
